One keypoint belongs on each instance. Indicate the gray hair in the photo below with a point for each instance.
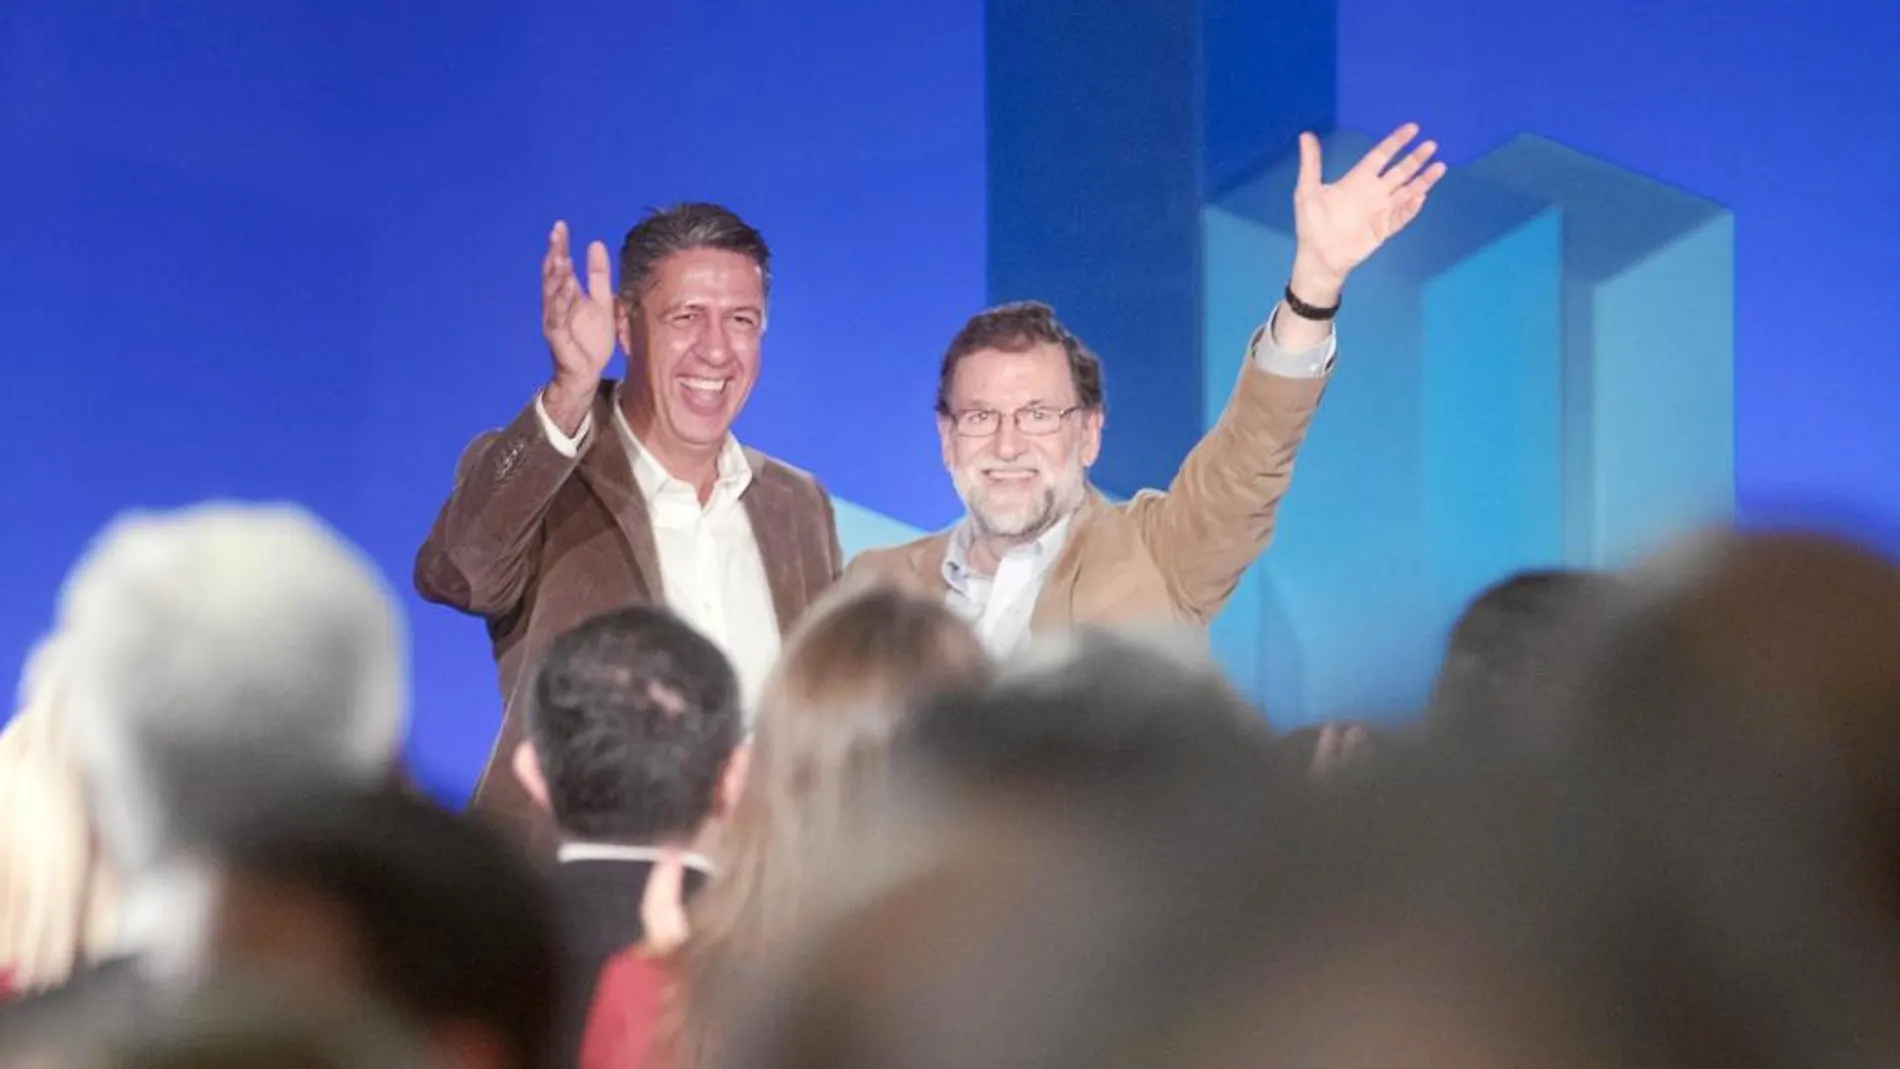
(222, 658)
(678, 229)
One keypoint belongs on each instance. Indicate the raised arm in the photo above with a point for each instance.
(479, 556)
(1219, 513)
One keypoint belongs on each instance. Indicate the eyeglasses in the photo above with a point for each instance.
(1034, 420)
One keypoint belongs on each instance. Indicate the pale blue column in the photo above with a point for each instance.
(860, 528)
(1649, 303)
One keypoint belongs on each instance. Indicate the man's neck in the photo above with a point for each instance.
(987, 550)
(696, 467)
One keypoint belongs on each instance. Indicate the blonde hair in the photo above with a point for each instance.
(850, 673)
(56, 892)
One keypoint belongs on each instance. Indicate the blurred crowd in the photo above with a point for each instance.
(1645, 819)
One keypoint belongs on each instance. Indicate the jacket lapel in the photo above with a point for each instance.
(926, 563)
(769, 507)
(1055, 605)
(608, 471)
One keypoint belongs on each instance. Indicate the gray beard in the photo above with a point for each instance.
(1043, 518)
(1053, 508)
(1064, 494)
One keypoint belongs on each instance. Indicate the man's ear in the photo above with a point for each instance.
(527, 769)
(732, 780)
(1092, 421)
(947, 437)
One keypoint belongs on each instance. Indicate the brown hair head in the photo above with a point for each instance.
(1015, 328)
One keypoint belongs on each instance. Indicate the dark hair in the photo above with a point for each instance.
(1513, 658)
(455, 924)
(679, 228)
(1015, 328)
(1366, 751)
(634, 718)
(230, 1022)
(1104, 715)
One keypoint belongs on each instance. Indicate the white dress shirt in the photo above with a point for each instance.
(999, 607)
(710, 564)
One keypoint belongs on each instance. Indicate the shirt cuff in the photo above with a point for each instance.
(1309, 363)
(567, 447)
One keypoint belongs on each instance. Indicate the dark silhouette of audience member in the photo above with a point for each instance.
(213, 662)
(633, 728)
(233, 1024)
(383, 894)
(1513, 657)
(1436, 921)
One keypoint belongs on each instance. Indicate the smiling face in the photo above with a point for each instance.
(1017, 485)
(693, 335)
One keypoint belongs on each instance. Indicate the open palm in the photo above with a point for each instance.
(1340, 224)
(578, 324)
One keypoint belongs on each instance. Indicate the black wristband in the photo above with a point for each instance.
(1306, 311)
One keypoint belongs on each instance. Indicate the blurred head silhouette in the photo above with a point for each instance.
(219, 660)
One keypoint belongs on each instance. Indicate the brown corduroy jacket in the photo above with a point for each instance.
(535, 542)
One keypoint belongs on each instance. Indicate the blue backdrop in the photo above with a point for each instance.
(290, 250)
(293, 250)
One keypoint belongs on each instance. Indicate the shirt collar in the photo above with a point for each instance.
(580, 851)
(1042, 552)
(735, 472)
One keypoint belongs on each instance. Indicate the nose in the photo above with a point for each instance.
(1010, 442)
(714, 346)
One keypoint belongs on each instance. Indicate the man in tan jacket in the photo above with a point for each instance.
(1020, 410)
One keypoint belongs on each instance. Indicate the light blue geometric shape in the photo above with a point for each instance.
(1434, 465)
(1649, 307)
(1252, 638)
(1493, 403)
(860, 528)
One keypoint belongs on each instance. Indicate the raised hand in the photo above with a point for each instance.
(1340, 224)
(662, 909)
(1337, 747)
(579, 326)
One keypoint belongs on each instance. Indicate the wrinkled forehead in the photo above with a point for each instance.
(1005, 380)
